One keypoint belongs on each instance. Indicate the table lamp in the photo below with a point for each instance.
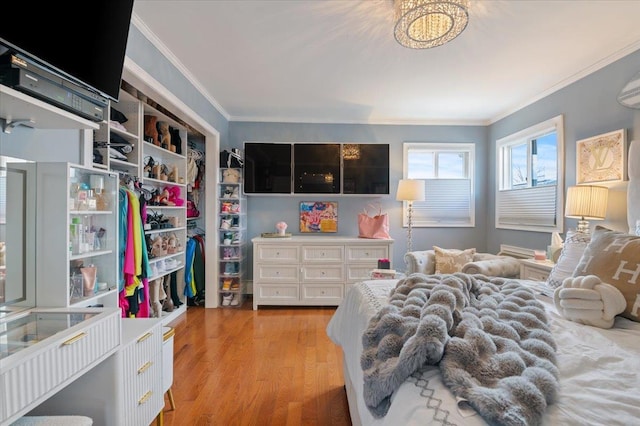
(586, 202)
(410, 190)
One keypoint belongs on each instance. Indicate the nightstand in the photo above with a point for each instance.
(536, 270)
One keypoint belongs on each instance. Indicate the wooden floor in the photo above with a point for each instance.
(273, 366)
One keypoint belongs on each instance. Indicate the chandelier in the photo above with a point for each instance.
(421, 24)
(351, 151)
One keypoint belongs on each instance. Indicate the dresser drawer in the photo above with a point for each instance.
(275, 293)
(359, 272)
(312, 254)
(276, 272)
(273, 253)
(357, 253)
(322, 294)
(324, 273)
(534, 274)
(138, 355)
(143, 396)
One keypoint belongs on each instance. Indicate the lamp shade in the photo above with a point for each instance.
(410, 190)
(586, 202)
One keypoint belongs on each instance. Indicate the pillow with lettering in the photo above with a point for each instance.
(614, 257)
(574, 245)
(449, 261)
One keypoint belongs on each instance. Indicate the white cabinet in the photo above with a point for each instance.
(49, 350)
(313, 270)
(232, 237)
(76, 236)
(536, 270)
(143, 395)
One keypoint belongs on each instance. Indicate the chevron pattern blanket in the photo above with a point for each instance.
(489, 337)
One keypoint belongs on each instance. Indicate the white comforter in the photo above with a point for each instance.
(599, 370)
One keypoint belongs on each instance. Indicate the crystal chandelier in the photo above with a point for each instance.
(351, 151)
(421, 24)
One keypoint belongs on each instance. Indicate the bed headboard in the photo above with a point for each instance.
(633, 190)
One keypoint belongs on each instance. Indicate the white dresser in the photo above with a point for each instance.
(312, 270)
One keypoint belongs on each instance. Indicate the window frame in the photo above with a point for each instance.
(529, 199)
(468, 149)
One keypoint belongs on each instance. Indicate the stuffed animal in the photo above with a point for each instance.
(165, 135)
(231, 176)
(151, 129)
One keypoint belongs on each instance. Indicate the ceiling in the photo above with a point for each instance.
(336, 61)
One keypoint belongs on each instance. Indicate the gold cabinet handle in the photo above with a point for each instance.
(145, 367)
(145, 397)
(144, 337)
(74, 339)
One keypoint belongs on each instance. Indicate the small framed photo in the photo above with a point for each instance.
(318, 216)
(602, 159)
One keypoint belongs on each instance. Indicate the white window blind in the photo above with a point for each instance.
(447, 201)
(515, 210)
(447, 169)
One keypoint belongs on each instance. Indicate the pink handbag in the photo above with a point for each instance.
(373, 226)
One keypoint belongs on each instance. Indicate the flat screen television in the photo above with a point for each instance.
(316, 168)
(267, 168)
(83, 42)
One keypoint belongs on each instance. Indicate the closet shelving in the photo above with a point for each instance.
(232, 237)
(157, 165)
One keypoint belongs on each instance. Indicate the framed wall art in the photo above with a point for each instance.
(318, 216)
(602, 159)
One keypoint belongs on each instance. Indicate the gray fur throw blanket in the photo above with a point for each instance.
(489, 336)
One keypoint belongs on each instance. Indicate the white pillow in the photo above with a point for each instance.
(574, 245)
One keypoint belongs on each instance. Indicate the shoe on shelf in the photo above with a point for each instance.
(235, 300)
(227, 299)
(226, 284)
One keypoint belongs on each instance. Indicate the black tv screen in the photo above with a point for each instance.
(365, 169)
(267, 168)
(316, 168)
(84, 42)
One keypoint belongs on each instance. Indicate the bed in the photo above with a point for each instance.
(598, 368)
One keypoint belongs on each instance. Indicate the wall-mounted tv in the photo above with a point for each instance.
(267, 168)
(316, 168)
(83, 42)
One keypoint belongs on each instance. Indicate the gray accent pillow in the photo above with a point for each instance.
(574, 245)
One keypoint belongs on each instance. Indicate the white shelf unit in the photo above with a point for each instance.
(232, 250)
(169, 174)
(57, 274)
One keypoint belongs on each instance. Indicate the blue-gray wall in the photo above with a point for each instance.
(266, 210)
(590, 108)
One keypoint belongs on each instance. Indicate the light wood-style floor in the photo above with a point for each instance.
(273, 366)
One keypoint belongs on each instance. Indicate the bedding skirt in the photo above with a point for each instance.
(599, 370)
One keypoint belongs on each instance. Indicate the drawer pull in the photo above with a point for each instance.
(74, 339)
(145, 397)
(144, 337)
(145, 367)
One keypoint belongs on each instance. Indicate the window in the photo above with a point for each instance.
(530, 178)
(447, 169)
